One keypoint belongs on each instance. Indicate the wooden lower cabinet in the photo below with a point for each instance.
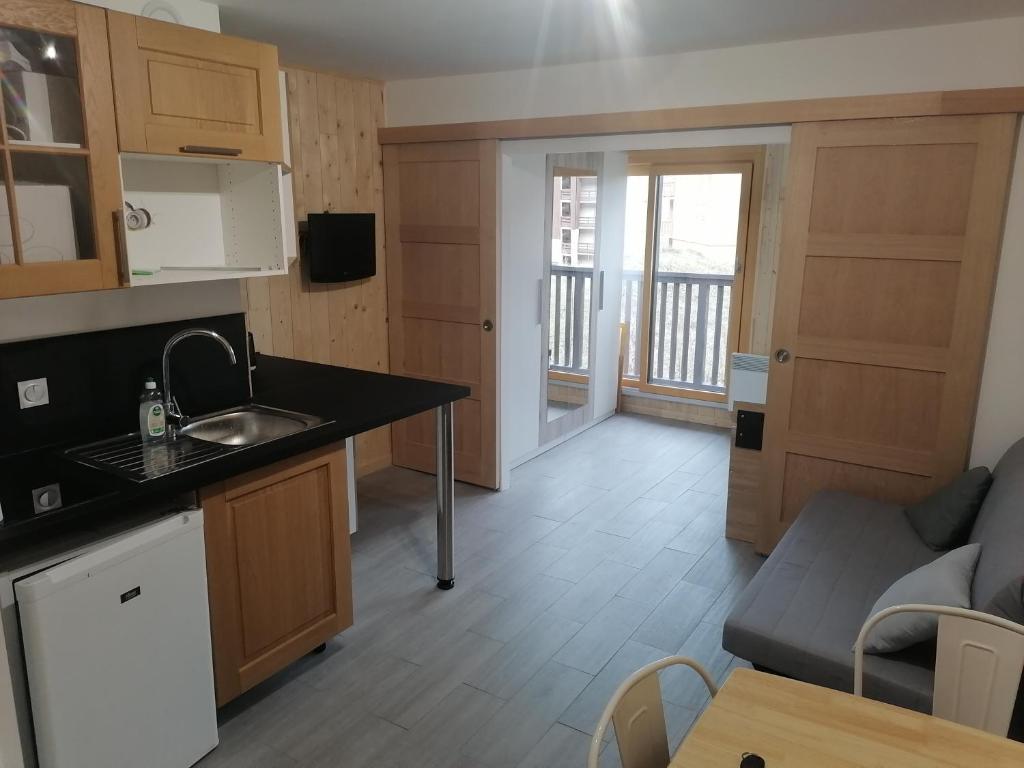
(278, 563)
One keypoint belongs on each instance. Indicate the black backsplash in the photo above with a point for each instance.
(95, 380)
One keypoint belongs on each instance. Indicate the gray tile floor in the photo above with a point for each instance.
(606, 553)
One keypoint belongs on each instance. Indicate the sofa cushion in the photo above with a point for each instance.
(946, 581)
(1008, 602)
(1000, 529)
(801, 613)
(945, 518)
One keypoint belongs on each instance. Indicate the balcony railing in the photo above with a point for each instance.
(689, 328)
(586, 249)
(587, 221)
(569, 327)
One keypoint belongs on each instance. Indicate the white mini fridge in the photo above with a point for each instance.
(117, 648)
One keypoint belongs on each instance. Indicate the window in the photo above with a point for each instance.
(566, 182)
(687, 228)
(566, 237)
(567, 209)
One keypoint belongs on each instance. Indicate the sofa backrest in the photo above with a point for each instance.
(1000, 529)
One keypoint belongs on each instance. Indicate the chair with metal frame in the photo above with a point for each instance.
(637, 711)
(978, 663)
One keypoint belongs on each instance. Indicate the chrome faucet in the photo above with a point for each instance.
(170, 403)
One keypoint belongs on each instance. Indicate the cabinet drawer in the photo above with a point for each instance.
(184, 91)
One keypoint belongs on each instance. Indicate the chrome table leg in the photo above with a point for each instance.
(445, 499)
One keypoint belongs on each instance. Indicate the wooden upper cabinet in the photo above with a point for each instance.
(59, 184)
(185, 91)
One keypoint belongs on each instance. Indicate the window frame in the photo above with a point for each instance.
(748, 161)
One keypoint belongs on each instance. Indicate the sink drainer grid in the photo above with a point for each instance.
(129, 457)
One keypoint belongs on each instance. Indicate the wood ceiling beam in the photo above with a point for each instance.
(927, 103)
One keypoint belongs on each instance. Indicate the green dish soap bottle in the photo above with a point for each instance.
(152, 419)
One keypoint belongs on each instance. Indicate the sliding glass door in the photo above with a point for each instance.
(690, 224)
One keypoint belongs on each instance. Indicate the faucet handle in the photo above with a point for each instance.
(174, 411)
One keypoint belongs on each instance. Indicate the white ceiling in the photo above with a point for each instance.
(394, 39)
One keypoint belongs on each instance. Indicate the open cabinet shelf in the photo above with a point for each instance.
(210, 219)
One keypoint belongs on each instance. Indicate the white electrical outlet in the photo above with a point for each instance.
(33, 392)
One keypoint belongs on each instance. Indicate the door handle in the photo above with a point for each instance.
(488, 326)
(197, 149)
(782, 355)
(121, 248)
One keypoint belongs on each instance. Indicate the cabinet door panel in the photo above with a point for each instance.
(285, 556)
(217, 96)
(279, 566)
(179, 89)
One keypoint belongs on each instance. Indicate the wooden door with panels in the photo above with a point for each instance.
(891, 235)
(441, 206)
(181, 90)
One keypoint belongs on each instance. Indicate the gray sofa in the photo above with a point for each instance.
(801, 613)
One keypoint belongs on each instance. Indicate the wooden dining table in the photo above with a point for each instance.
(797, 725)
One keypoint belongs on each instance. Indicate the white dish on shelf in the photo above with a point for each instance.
(45, 222)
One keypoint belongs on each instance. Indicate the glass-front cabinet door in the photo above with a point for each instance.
(59, 183)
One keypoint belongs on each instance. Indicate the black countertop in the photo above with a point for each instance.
(350, 402)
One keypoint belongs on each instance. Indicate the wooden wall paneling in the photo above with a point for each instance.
(339, 150)
(743, 504)
(776, 157)
(666, 407)
(308, 159)
(380, 288)
(920, 104)
(336, 160)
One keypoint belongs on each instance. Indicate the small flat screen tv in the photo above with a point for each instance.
(340, 247)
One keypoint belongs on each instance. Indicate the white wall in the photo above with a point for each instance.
(1000, 421)
(193, 13)
(612, 240)
(522, 253)
(976, 55)
(99, 310)
(523, 194)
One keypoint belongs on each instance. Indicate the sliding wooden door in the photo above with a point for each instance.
(891, 235)
(441, 207)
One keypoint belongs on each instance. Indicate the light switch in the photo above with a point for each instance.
(33, 392)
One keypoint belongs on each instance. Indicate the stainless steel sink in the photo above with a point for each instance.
(249, 425)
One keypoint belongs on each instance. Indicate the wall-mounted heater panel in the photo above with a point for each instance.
(748, 379)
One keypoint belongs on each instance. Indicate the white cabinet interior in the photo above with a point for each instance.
(201, 219)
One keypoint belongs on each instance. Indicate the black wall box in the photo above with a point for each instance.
(749, 430)
(340, 246)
